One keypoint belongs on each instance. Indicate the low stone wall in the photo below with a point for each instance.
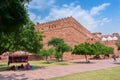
(66, 56)
(69, 56)
(34, 57)
(3, 58)
(30, 58)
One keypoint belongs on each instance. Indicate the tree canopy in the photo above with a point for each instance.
(16, 29)
(55, 41)
(118, 45)
(26, 39)
(92, 49)
(83, 49)
(13, 15)
(60, 47)
(100, 48)
(46, 53)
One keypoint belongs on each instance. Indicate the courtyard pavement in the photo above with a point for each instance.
(46, 73)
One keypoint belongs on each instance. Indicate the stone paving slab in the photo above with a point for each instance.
(46, 73)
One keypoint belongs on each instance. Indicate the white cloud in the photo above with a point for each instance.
(86, 18)
(103, 21)
(34, 17)
(41, 4)
(77, 12)
(97, 9)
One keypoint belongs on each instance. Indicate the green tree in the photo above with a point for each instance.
(4, 42)
(29, 40)
(83, 49)
(55, 41)
(118, 45)
(16, 30)
(60, 47)
(26, 39)
(108, 50)
(46, 53)
(58, 55)
(13, 15)
(100, 48)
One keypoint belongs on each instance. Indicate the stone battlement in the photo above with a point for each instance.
(62, 23)
(67, 28)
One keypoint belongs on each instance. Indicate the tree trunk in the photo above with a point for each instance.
(61, 59)
(86, 58)
(46, 58)
(58, 60)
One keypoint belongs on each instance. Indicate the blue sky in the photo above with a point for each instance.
(95, 15)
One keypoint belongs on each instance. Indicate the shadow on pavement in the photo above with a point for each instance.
(83, 62)
(117, 63)
(14, 76)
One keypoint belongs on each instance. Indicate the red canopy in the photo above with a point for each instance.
(18, 57)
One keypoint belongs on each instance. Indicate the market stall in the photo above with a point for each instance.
(18, 57)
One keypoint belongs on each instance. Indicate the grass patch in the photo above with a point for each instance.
(44, 64)
(36, 64)
(104, 74)
(3, 66)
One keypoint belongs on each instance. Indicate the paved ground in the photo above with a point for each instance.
(46, 73)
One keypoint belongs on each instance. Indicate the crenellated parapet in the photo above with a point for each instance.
(63, 23)
(56, 24)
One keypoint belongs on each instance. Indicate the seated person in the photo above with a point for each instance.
(21, 67)
(28, 66)
(13, 68)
